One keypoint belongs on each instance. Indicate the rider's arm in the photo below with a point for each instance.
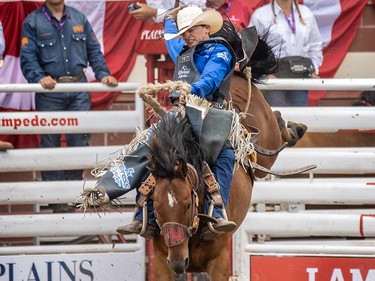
(175, 45)
(212, 72)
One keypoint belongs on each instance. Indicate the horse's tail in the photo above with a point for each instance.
(257, 54)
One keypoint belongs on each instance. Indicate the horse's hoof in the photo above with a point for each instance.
(297, 131)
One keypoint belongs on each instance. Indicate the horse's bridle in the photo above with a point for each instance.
(175, 233)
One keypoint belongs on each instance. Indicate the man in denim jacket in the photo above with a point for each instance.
(57, 44)
(4, 145)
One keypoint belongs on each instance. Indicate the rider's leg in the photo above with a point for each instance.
(135, 226)
(223, 172)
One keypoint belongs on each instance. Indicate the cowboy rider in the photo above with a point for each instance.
(206, 64)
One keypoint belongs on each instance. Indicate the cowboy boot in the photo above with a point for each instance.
(135, 227)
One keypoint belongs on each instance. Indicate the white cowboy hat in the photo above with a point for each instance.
(193, 16)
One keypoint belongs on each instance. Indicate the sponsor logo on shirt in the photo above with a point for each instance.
(25, 41)
(78, 28)
(185, 58)
(122, 175)
(183, 72)
(223, 55)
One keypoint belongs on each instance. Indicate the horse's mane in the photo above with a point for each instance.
(173, 141)
(262, 61)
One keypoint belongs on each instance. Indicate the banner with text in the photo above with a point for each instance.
(64, 267)
(312, 268)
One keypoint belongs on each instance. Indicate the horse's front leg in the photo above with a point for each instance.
(219, 268)
(162, 270)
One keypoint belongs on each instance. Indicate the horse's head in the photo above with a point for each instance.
(176, 210)
(173, 158)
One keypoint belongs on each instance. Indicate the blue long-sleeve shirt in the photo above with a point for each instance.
(213, 61)
(64, 48)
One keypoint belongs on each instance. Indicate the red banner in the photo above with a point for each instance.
(150, 40)
(293, 268)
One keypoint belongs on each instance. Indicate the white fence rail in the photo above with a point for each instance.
(88, 248)
(72, 122)
(356, 84)
(281, 224)
(355, 160)
(331, 119)
(360, 84)
(308, 224)
(39, 192)
(331, 191)
(76, 224)
(68, 87)
(318, 119)
(327, 191)
(323, 248)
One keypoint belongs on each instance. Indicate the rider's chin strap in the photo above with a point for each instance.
(146, 189)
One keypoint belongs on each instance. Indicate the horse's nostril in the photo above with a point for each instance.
(187, 262)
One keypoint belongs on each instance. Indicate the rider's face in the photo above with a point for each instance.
(196, 34)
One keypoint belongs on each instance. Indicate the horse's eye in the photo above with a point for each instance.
(187, 207)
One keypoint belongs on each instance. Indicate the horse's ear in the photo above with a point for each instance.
(181, 168)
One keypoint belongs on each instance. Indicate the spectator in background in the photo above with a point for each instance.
(4, 145)
(157, 10)
(238, 11)
(57, 44)
(292, 28)
(367, 98)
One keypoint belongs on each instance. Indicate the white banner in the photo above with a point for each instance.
(72, 267)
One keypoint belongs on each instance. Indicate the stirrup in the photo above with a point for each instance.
(210, 212)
